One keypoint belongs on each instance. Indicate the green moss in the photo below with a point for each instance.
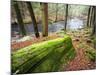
(94, 41)
(43, 57)
(91, 54)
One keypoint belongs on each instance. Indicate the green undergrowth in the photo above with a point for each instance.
(91, 54)
(93, 38)
(48, 56)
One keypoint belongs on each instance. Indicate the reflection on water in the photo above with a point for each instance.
(75, 23)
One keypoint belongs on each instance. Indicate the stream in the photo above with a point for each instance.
(72, 24)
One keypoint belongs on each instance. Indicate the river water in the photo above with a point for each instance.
(72, 24)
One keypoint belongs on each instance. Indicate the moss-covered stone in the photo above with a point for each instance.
(47, 56)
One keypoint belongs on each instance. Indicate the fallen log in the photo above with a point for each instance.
(47, 56)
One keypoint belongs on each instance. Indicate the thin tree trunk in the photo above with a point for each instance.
(33, 19)
(21, 6)
(66, 15)
(94, 21)
(88, 19)
(56, 13)
(91, 21)
(19, 18)
(44, 10)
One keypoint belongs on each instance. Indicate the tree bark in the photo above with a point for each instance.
(66, 15)
(44, 10)
(23, 9)
(89, 19)
(94, 21)
(19, 18)
(31, 11)
(56, 12)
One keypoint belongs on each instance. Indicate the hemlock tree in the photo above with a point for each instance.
(31, 11)
(66, 15)
(19, 18)
(44, 12)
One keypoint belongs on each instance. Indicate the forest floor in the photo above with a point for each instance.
(81, 42)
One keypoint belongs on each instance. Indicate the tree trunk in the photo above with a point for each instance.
(44, 10)
(94, 21)
(89, 19)
(66, 15)
(56, 12)
(19, 18)
(33, 19)
(23, 9)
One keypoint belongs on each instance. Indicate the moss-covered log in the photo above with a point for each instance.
(47, 56)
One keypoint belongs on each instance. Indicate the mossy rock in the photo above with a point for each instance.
(47, 56)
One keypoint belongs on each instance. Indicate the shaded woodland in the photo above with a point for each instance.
(42, 31)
